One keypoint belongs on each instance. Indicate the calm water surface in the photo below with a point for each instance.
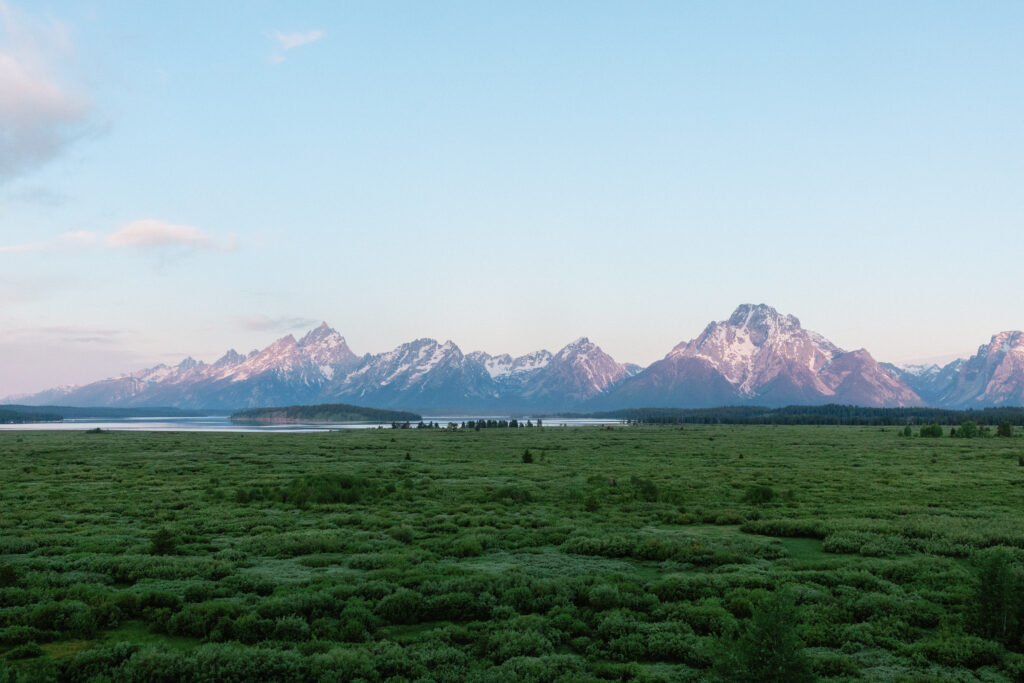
(221, 423)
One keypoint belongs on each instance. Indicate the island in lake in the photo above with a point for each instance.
(12, 416)
(327, 412)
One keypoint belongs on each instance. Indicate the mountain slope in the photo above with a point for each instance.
(760, 356)
(756, 356)
(994, 376)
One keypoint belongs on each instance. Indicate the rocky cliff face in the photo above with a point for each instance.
(760, 356)
(994, 376)
(756, 356)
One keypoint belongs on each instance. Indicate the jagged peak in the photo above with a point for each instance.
(1004, 341)
(230, 357)
(287, 340)
(759, 316)
(188, 364)
(577, 345)
(319, 333)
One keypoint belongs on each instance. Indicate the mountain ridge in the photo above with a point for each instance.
(755, 356)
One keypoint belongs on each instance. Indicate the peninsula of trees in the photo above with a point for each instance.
(12, 416)
(326, 412)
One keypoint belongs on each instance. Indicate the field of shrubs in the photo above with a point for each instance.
(656, 553)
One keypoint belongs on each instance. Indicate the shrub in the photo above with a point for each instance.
(25, 651)
(467, 546)
(291, 629)
(645, 489)
(527, 456)
(404, 606)
(968, 430)
(758, 495)
(997, 609)
(1005, 428)
(8, 576)
(769, 648)
(163, 542)
(402, 534)
(932, 430)
(960, 650)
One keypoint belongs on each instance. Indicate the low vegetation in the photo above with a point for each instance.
(653, 553)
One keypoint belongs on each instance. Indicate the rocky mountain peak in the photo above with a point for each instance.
(1006, 341)
(230, 357)
(318, 334)
(284, 342)
(762, 321)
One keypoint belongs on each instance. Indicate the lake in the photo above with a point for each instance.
(221, 423)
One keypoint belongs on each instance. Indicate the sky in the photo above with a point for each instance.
(178, 179)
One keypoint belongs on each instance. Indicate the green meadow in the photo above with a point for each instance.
(536, 554)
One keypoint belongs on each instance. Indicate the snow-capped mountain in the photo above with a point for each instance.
(422, 375)
(756, 356)
(994, 376)
(762, 357)
(575, 374)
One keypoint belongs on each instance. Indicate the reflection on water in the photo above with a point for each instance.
(221, 423)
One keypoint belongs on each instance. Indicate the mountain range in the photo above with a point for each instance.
(757, 356)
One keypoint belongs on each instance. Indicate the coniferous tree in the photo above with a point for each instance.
(769, 649)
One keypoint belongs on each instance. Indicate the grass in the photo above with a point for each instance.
(625, 553)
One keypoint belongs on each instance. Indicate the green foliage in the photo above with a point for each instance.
(1005, 428)
(968, 430)
(932, 430)
(163, 542)
(997, 602)
(25, 651)
(831, 414)
(626, 554)
(769, 648)
(527, 456)
(645, 489)
(758, 495)
(8, 576)
(22, 416)
(328, 412)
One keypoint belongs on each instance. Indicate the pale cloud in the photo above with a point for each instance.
(150, 232)
(67, 240)
(264, 323)
(70, 334)
(290, 41)
(147, 233)
(39, 114)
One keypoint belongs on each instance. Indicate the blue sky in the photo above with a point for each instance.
(181, 178)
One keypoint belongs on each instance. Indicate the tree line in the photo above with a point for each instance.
(831, 414)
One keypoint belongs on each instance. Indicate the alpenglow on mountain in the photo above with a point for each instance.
(756, 357)
(422, 375)
(994, 376)
(761, 357)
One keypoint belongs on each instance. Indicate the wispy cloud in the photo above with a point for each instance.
(147, 233)
(290, 41)
(264, 323)
(150, 232)
(67, 240)
(39, 115)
